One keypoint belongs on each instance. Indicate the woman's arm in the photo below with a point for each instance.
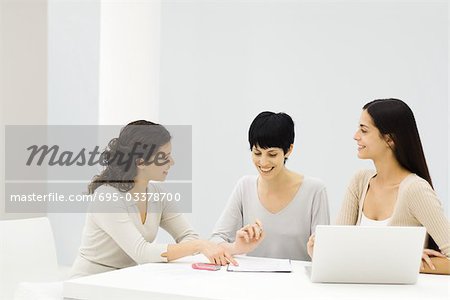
(216, 254)
(230, 233)
(320, 214)
(122, 230)
(348, 214)
(188, 242)
(425, 207)
(178, 227)
(120, 227)
(441, 266)
(232, 217)
(246, 240)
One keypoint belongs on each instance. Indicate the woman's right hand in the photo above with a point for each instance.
(216, 254)
(310, 245)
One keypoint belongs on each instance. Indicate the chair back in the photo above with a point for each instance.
(27, 253)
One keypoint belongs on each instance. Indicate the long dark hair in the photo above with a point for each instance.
(394, 118)
(137, 140)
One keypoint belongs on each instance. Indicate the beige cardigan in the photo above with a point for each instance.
(417, 205)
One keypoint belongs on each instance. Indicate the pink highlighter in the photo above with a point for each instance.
(205, 266)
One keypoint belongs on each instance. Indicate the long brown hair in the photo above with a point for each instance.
(137, 140)
(394, 118)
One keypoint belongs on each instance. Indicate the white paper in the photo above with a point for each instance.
(261, 264)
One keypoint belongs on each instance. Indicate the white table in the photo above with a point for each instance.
(177, 280)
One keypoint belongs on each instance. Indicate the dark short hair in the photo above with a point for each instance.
(271, 129)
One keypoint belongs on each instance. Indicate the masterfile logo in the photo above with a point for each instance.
(48, 168)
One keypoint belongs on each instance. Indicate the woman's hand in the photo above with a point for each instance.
(426, 256)
(216, 254)
(248, 238)
(310, 245)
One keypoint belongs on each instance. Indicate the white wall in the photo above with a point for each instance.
(224, 62)
(215, 65)
(73, 72)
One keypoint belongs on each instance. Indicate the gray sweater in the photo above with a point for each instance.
(287, 231)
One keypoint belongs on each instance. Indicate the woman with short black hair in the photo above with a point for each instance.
(289, 204)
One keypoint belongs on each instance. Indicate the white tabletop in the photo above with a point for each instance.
(177, 280)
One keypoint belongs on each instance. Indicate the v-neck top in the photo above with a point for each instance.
(288, 230)
(363, 220)
(114, 236)
(417, 205)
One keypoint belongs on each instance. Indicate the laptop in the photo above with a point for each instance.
(367, 254)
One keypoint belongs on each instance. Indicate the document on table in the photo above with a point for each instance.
(261, 264)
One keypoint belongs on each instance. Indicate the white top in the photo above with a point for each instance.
(288, 230)
(365, 221)
(114, 236)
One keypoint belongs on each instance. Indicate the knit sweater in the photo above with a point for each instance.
(417, 205)
(114, 236)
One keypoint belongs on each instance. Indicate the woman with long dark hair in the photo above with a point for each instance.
(123, 221)
(399, 192)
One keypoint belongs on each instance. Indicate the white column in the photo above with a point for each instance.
(129, 61)
(23, 91)
(23, 73)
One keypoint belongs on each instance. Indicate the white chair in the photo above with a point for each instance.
(28, 256)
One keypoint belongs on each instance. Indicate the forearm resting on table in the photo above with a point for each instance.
(176, 251)
(441, 264)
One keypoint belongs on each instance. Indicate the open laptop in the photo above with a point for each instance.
(367, 254)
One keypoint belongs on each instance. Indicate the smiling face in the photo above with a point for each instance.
(269, 162)
(371, 144)
(162, 161)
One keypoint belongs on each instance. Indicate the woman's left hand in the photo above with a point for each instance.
(310, 245)
(426, 257)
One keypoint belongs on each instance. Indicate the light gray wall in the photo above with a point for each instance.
(120, 87)
(23, 90)
(73, 75)
(224, 62)
(23, 69)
